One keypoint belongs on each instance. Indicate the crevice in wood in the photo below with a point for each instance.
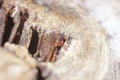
(49, 47)
(39, 75)
(43, 47)
(18, 34)
(1, 2)
(34, 42)
(9, 24)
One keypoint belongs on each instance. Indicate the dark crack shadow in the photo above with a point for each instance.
(39, 75)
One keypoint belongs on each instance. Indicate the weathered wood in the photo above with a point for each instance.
(86, 54)
(2, 24)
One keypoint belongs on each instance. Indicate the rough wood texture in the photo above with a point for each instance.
(2, 24)
(37, 24)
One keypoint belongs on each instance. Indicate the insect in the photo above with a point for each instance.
(59, 42)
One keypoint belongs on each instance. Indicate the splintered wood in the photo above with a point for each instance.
(13, 25)
(43, 47)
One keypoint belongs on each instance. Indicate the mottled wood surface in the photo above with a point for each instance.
(92, 52)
